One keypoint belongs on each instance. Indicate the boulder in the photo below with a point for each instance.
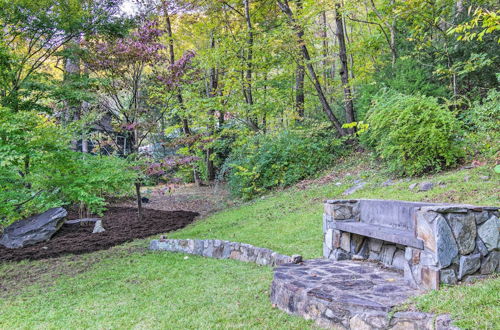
(469, 265)
(98, 228)
(34, 229)
(446, 247)
(464, 229)
(358, 185)
(425, 186)
(447, 276)
(488, 232)
(490, 263)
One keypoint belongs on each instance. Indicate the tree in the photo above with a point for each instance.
(122, 66)
(285, 8)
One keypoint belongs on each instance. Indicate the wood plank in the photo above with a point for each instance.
(402, 237)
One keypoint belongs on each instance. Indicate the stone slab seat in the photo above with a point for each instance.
(398, 236)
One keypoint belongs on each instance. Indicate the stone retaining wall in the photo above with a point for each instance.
(460, 242)
(214, 248)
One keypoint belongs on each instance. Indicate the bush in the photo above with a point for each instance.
(413, 134)
(39, 171)
(263, 162)
(482, 121)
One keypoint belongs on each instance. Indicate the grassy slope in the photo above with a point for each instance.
(162, 290)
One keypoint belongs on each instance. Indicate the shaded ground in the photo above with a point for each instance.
(121, 226)
(203, 200)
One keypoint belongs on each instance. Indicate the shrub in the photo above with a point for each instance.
(280, 159)
(413, 134)
(38, 170)
(482, 121)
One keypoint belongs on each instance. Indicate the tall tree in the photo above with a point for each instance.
(299, 31)
(299, 77)
(344, 69)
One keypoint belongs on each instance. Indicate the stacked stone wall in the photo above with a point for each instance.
(460, 242)
(219, 249)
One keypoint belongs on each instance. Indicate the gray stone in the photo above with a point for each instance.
(387, 254)
(425, 186)
(329, 239)
(481, 217)
(443, 322)
(364, 251)
(339, 255)
(464, 230)
(98, 228)
(480, 247)
(34, 229)
(327, 252)
(345, 241)
(446, 246)
(388, 183)
(374, 255)
(488, 232)
(354, 188)
(490, 263)
(413, 186)
(296, 258)
(399, 261)
(339, 211)
(82, 221)
(469, 265)
(356, 242)
(484, 177)
(375, 244)
(474, 278)
(448, 276)
(153, 245)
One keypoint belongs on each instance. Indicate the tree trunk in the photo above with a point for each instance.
(212, 92)
(344, 71)
(139, 199)
(299, 79)
(285, 8)
(171, 53)
(247, 85)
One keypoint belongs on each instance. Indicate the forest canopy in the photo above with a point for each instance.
(259, 93)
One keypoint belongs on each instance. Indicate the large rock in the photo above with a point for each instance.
(490, 263)
(469, 265)
(33, 230)
(464, 230)
(447, 276)
(446, 246)
(488, 232)
(354, 188)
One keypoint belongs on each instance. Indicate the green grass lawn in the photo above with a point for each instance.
(130, 287)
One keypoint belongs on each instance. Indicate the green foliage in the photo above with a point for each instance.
(482, 121)
(38, 170)
(280, 159)
(413, 134)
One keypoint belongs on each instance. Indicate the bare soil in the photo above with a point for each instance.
(121, 225)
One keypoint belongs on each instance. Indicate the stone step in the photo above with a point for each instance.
(336, 293)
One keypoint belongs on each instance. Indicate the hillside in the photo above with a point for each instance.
(128, 286)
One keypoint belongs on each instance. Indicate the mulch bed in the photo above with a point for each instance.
(121, 226)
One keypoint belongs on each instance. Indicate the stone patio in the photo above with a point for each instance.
(348, 295)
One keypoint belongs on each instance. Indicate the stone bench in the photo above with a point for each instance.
(430, 243)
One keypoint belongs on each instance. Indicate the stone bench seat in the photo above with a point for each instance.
(430, 243)
(388, 234)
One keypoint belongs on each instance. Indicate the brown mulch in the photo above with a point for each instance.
(121, 226)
